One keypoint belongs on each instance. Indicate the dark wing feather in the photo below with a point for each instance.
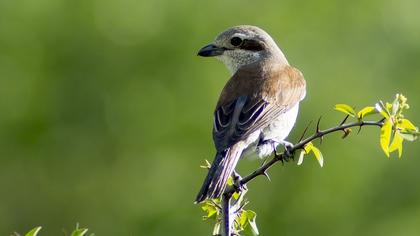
(233, 122)
(247, 106)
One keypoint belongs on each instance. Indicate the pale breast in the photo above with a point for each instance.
(280, 127)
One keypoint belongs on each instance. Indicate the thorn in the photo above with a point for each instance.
(317, 125)
(360, 128)
(344, 121)
(321, 139)
(266, 175)
(382, 120)
(265, 160)
(304, 131)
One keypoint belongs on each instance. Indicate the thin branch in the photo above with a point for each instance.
(226, 221)
(319, 134)
(262, 170)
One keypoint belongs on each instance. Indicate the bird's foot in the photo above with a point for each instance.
(239, 187)
(266, 147)
(287, 154)
(288, 147)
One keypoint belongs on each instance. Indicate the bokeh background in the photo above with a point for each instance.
(106, 114)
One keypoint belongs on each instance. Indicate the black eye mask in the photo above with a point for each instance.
(251, 45)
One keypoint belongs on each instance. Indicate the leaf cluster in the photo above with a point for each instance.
(242, 219)
(394, 129)
(76, 232)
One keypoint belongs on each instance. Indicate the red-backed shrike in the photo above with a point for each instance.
(258, 105)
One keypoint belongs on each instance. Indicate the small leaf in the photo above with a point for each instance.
(409, 136)
(230, 181)
(407, 125)
(251, 215)
(216, 228)
(397, 144)
(318, 155)
(388, 106)
(300, 160)
(209, 208)
(207, 165)
(385, 137)
(34, 231)
(395, 106)
(79, 232)
(366, 111)
(235, 195)
(308, 147)
(346, 109)
(243, 220)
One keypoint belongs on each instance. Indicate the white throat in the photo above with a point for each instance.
(235, 61)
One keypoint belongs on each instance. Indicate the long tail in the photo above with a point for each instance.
(223, 166)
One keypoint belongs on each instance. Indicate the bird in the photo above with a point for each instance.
(257, 107)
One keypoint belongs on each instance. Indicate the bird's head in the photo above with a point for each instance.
(242, 45)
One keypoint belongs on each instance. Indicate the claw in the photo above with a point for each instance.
(288, 146)
(237, 182)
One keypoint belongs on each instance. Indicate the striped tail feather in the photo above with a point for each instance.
(222, 167)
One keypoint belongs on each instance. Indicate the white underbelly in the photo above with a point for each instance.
(280, 128)
(277, 130)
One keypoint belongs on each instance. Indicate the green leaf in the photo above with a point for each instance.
(345, 109)
(309, 147)
(406, 125)
(243, 220)
(79, 232)
(397, 144)
(385, 137)
(229, 181)
(206, 165)
(216, 228)
(318, 155)
(209, 208)
(366, 111)
(409, 136)
(34, 231)
(251, 215)
(236, 195)
(301, 155)
(388, 106)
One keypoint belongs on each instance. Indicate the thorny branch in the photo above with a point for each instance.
(284, 156)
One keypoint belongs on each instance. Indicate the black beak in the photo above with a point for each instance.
(210, 51)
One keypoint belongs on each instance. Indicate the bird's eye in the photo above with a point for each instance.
(236, 41)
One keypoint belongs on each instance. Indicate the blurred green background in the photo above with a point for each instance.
(106, 114)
